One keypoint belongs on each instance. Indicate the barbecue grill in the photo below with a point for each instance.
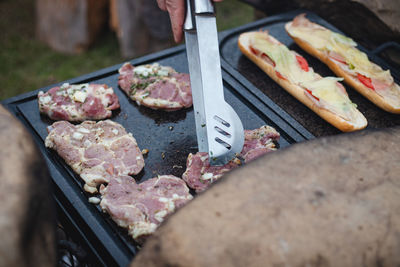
(171, 136)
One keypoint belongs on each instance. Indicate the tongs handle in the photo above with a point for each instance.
(197, 7)
(204, 7)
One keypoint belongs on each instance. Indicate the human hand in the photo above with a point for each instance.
(176, 10)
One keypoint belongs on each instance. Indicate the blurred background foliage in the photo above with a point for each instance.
(26, 64)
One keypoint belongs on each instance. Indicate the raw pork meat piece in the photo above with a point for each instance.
(142, 207)
(156, 86)
(96, 151)
(78, 102)
(199, 175)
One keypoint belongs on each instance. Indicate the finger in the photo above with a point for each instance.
(176, 10)
(161, 5)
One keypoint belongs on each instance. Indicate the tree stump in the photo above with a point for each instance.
(70, 25)
(141, 27)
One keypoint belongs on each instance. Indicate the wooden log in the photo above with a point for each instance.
(141, 27)
(70, 25)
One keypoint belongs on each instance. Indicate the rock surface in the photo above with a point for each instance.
(333, 201)
(27, 221)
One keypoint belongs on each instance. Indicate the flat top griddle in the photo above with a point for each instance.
(169, 136)
(266, 89)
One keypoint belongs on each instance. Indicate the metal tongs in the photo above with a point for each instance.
(218, 127)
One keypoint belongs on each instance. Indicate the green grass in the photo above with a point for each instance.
(27, 64)
(233, 13)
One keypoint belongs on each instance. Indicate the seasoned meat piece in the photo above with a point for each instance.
(199, 174)
(257, 142)
(78, 102)
(96, 151)
(155, 86)
(142, 207)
